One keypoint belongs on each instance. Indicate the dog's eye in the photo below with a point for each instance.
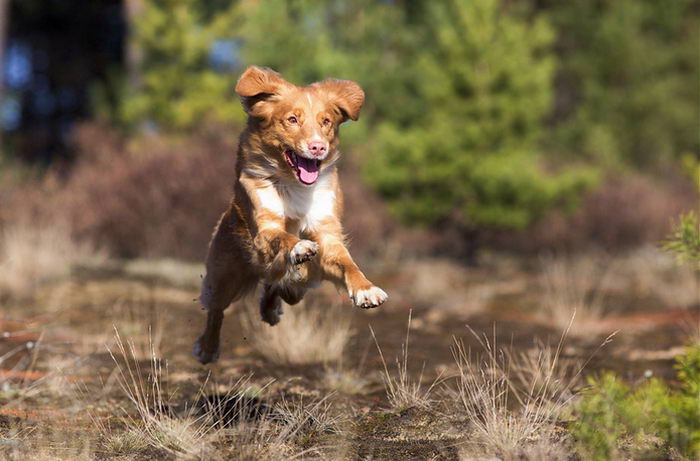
(293, 120)
(326, 122)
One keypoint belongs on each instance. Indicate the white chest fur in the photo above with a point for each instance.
(307, 204)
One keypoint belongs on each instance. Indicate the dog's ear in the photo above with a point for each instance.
(347, 96)
(258, 84)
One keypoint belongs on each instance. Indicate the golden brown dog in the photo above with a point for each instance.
(283, 225)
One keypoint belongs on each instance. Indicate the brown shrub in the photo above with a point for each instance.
(157, 198)
(150, 197)
(160, 197)
(625, 211)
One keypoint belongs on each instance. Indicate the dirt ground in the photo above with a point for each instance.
(65, 384)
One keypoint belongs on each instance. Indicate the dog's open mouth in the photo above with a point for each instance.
(306, 169)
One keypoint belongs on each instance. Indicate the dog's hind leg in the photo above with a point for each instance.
(216, 296)
(227, 280)
(271, 305)
(291, 294)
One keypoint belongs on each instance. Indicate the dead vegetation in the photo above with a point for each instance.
(403, 388)
(321, 385)
(484, 391)
(235, 424)
(309, 333)
(574, 289)
(33, 255)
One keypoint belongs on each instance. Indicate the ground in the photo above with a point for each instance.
(98, 364)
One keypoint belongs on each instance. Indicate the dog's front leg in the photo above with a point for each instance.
(278, 250)
(338, 266)
(275, 249)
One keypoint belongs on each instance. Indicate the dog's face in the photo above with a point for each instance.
(298, 126)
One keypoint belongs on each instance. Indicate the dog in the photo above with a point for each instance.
(283, 227)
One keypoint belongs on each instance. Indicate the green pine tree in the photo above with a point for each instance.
(179, 89)
(456, 94)
(629, 79)
(481, 84)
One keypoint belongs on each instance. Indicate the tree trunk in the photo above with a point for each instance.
(4, 24)
(134, 53)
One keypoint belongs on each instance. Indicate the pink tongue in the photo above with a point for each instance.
(308, 170)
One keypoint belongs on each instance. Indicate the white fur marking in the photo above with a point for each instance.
(322, 206)
(372, 297)
(308, 204)
(316, 137)
(303, 250)
(308, 96)
(270, 200)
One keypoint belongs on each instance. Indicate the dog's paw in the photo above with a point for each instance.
(272, 315)
(303, 251)
(369, 298)
(203, 356)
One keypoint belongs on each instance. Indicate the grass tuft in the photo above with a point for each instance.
(207, 428)
(402, 390)
(573, 288)
(32, 255)
(307, 334)
(513, 401)
(150, 416)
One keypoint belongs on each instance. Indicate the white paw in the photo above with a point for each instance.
(369, 298)
(303, 251)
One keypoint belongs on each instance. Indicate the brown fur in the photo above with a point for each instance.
(303, 244)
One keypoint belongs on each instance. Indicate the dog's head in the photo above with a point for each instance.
(298, 125)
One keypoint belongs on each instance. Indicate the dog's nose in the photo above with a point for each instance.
(317, 148)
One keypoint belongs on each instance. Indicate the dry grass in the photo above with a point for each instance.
(13, 392)
(541, 369)
(574, 288)
(487, 391)
(129, 442)
(25, 380)
(586, 286)
(513, 409)
(209, 426)
(444, 283)
(149, 419)
(314, 418)
(513, 400)
(402, 390)
(650, 273)
(346, 381)
(31, 255)
(142, 319)
(484, 392)
(307, 334)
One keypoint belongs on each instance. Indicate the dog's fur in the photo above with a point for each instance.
(283, 225)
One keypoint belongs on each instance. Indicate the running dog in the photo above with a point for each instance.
(283, 225)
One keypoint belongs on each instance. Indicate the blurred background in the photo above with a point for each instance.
(516, 125)
(519, 167)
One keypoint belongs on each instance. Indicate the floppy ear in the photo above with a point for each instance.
(346, 95)
(257, 84)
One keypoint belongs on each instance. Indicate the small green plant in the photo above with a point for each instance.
(614, 417)
(684, 242)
